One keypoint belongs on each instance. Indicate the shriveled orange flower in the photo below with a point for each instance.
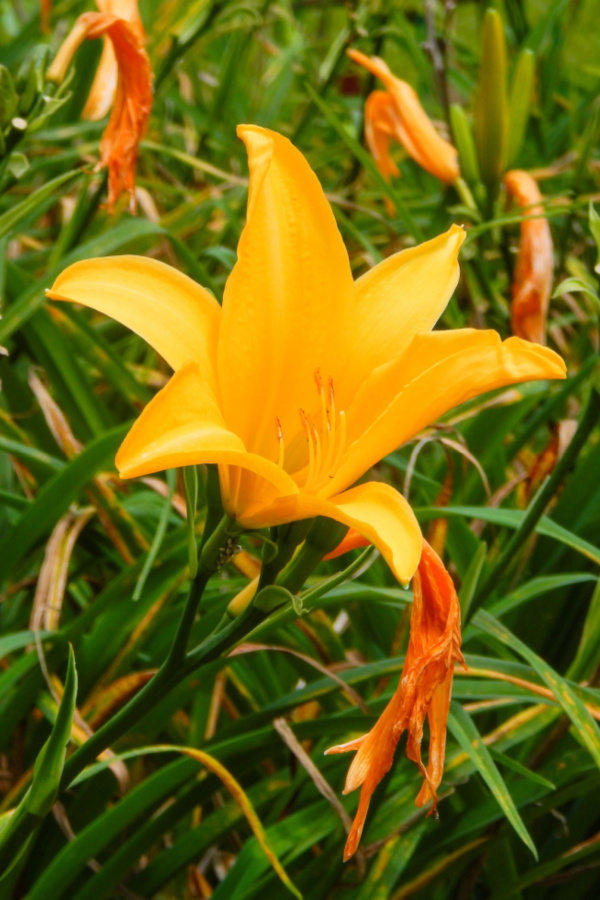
(532, 284)
(396, 113)
(123, 80)
(424, 690)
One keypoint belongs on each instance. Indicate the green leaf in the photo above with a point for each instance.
(522, 770)
(585, 727)
(48, 767)
(159, 535)
(594, 221)
(464, 731)
(32, 204)
(575, 284)
(55, 498)
(469, 585)
(512, 518)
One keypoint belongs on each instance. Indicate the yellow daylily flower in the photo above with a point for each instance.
(303, 379)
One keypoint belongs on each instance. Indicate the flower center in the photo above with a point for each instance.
(326, 440)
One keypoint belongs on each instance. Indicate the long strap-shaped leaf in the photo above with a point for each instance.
(585, 726)
(465, 732)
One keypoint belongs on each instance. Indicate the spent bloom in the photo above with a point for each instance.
(532, 284)
(303, 379)
(396, 113)
(423, 690)
(123, 81)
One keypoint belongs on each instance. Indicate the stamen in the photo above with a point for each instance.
(281, 445)
(341, 444)
(306, 425)
(325, 425)
(331, 422)
(317, 443)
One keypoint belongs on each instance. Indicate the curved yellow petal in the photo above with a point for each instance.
(285, 297)
(183, 426)
(439, 371)
(375, 510)
(400, 297)
(171, 312)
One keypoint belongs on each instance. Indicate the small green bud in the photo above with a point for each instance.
(491, 112)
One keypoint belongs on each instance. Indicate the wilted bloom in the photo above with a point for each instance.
(424, 690)
(396, 113)
(123, 81)
(532, 284)
(303, 379)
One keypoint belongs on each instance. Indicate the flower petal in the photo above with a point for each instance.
(379, 129)
(284, 299)
(439, 371)
(424, 689)
(534, 268)
(375, 510)
(400, 297)
(104, 86)
(183, 426)
(171, 312)
(416, 132)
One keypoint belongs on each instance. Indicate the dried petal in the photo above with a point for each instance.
(424, 690)
(532, 283)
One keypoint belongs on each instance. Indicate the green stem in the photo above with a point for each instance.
(175, 667)
(590, 417)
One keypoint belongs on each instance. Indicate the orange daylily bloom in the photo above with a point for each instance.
(303, 379)
(424, 690)
(123, 81)
(397, 113)
(532, 285)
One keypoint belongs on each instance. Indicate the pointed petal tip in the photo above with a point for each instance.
(352, 842)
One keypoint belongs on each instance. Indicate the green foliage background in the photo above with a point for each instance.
(520, 814)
